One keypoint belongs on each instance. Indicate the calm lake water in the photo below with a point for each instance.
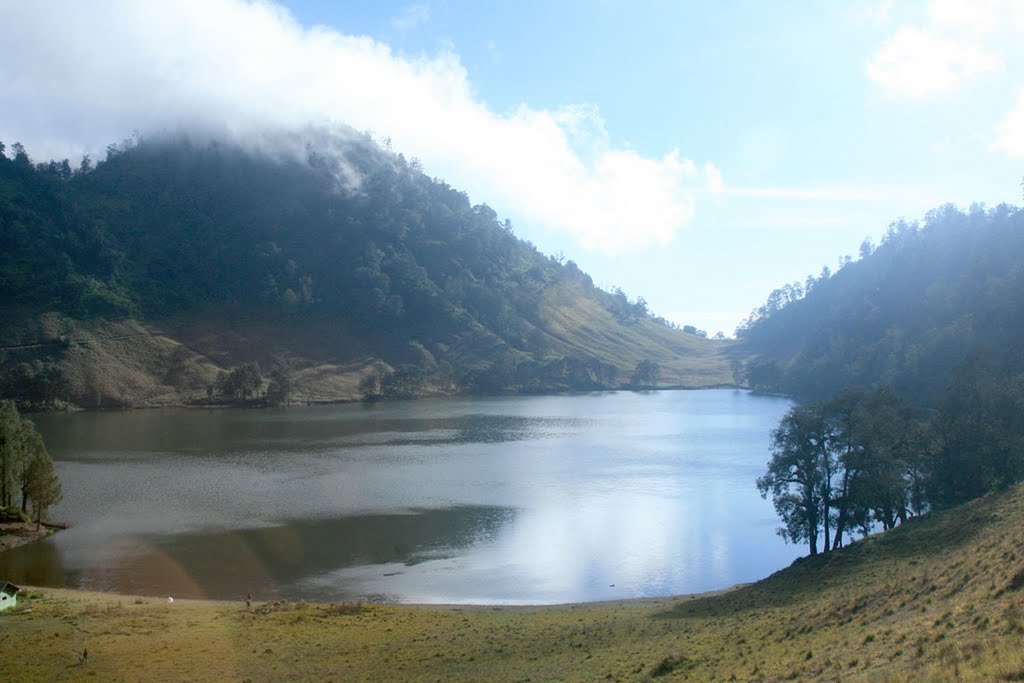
(507, 500)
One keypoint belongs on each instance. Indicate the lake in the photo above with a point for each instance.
(519, 500)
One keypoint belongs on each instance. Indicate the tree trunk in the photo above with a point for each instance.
(840, 528)
(3, 478)
(825, 521)
(841, 520)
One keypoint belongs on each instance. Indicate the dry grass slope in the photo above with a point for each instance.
(939, 599)
(126, 364)
(577, 323)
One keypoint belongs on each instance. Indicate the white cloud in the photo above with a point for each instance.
(410, 17)
(79, 75)
(819, 194)
(872, 12)
(1010, 131)
(917, 63)
(715, 183)
(980, 17)
(957, 41)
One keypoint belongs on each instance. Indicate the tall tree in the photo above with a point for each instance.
(25, 465)
(43, 487)
(646, 374)
(11, 454)
(798, 475)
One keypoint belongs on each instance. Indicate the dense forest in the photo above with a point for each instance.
(382, 266)
(904, 314)
(913, 358)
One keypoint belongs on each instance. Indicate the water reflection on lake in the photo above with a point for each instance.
(511, 500)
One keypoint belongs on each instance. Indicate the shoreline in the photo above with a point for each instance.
(88, 595)
(16, 534)
(200, 404)
(656, 601)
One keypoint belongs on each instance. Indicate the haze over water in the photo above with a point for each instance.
(509, 500)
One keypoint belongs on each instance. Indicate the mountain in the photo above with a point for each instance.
(309, 267)
(931, 296)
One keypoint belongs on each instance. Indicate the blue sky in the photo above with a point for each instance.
(697, 154)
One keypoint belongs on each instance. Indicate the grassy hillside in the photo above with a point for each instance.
(582, 326)
(328, 262)
(937, 599)
(105, 364)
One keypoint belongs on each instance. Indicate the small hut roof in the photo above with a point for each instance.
(9, 588)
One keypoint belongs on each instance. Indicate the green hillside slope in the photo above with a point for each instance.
(903, 315)
(338, 267)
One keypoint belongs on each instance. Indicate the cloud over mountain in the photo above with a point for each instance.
(80, 75)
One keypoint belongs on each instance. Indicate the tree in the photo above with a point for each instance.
(21, 156)
(851, 462)
(11, 454)
(981, 431)
(843, 413)
(370, 385)
(893, 451)
(280, 388)
(879, 448)
(32, 450)
(798, 475)
(25, 465)
(242, 382)
(403, 382)
(866, 248)
(646, 374)
(43, 487)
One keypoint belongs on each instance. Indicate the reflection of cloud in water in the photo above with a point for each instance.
(643, 546)
(589, 547)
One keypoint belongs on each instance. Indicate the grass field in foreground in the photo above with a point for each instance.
(939, 599)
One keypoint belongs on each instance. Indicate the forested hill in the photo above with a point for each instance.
(904, 314)
(335, 265)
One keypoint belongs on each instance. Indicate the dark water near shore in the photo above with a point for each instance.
(511, 500)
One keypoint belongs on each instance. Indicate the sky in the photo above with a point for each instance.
(696, 154)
